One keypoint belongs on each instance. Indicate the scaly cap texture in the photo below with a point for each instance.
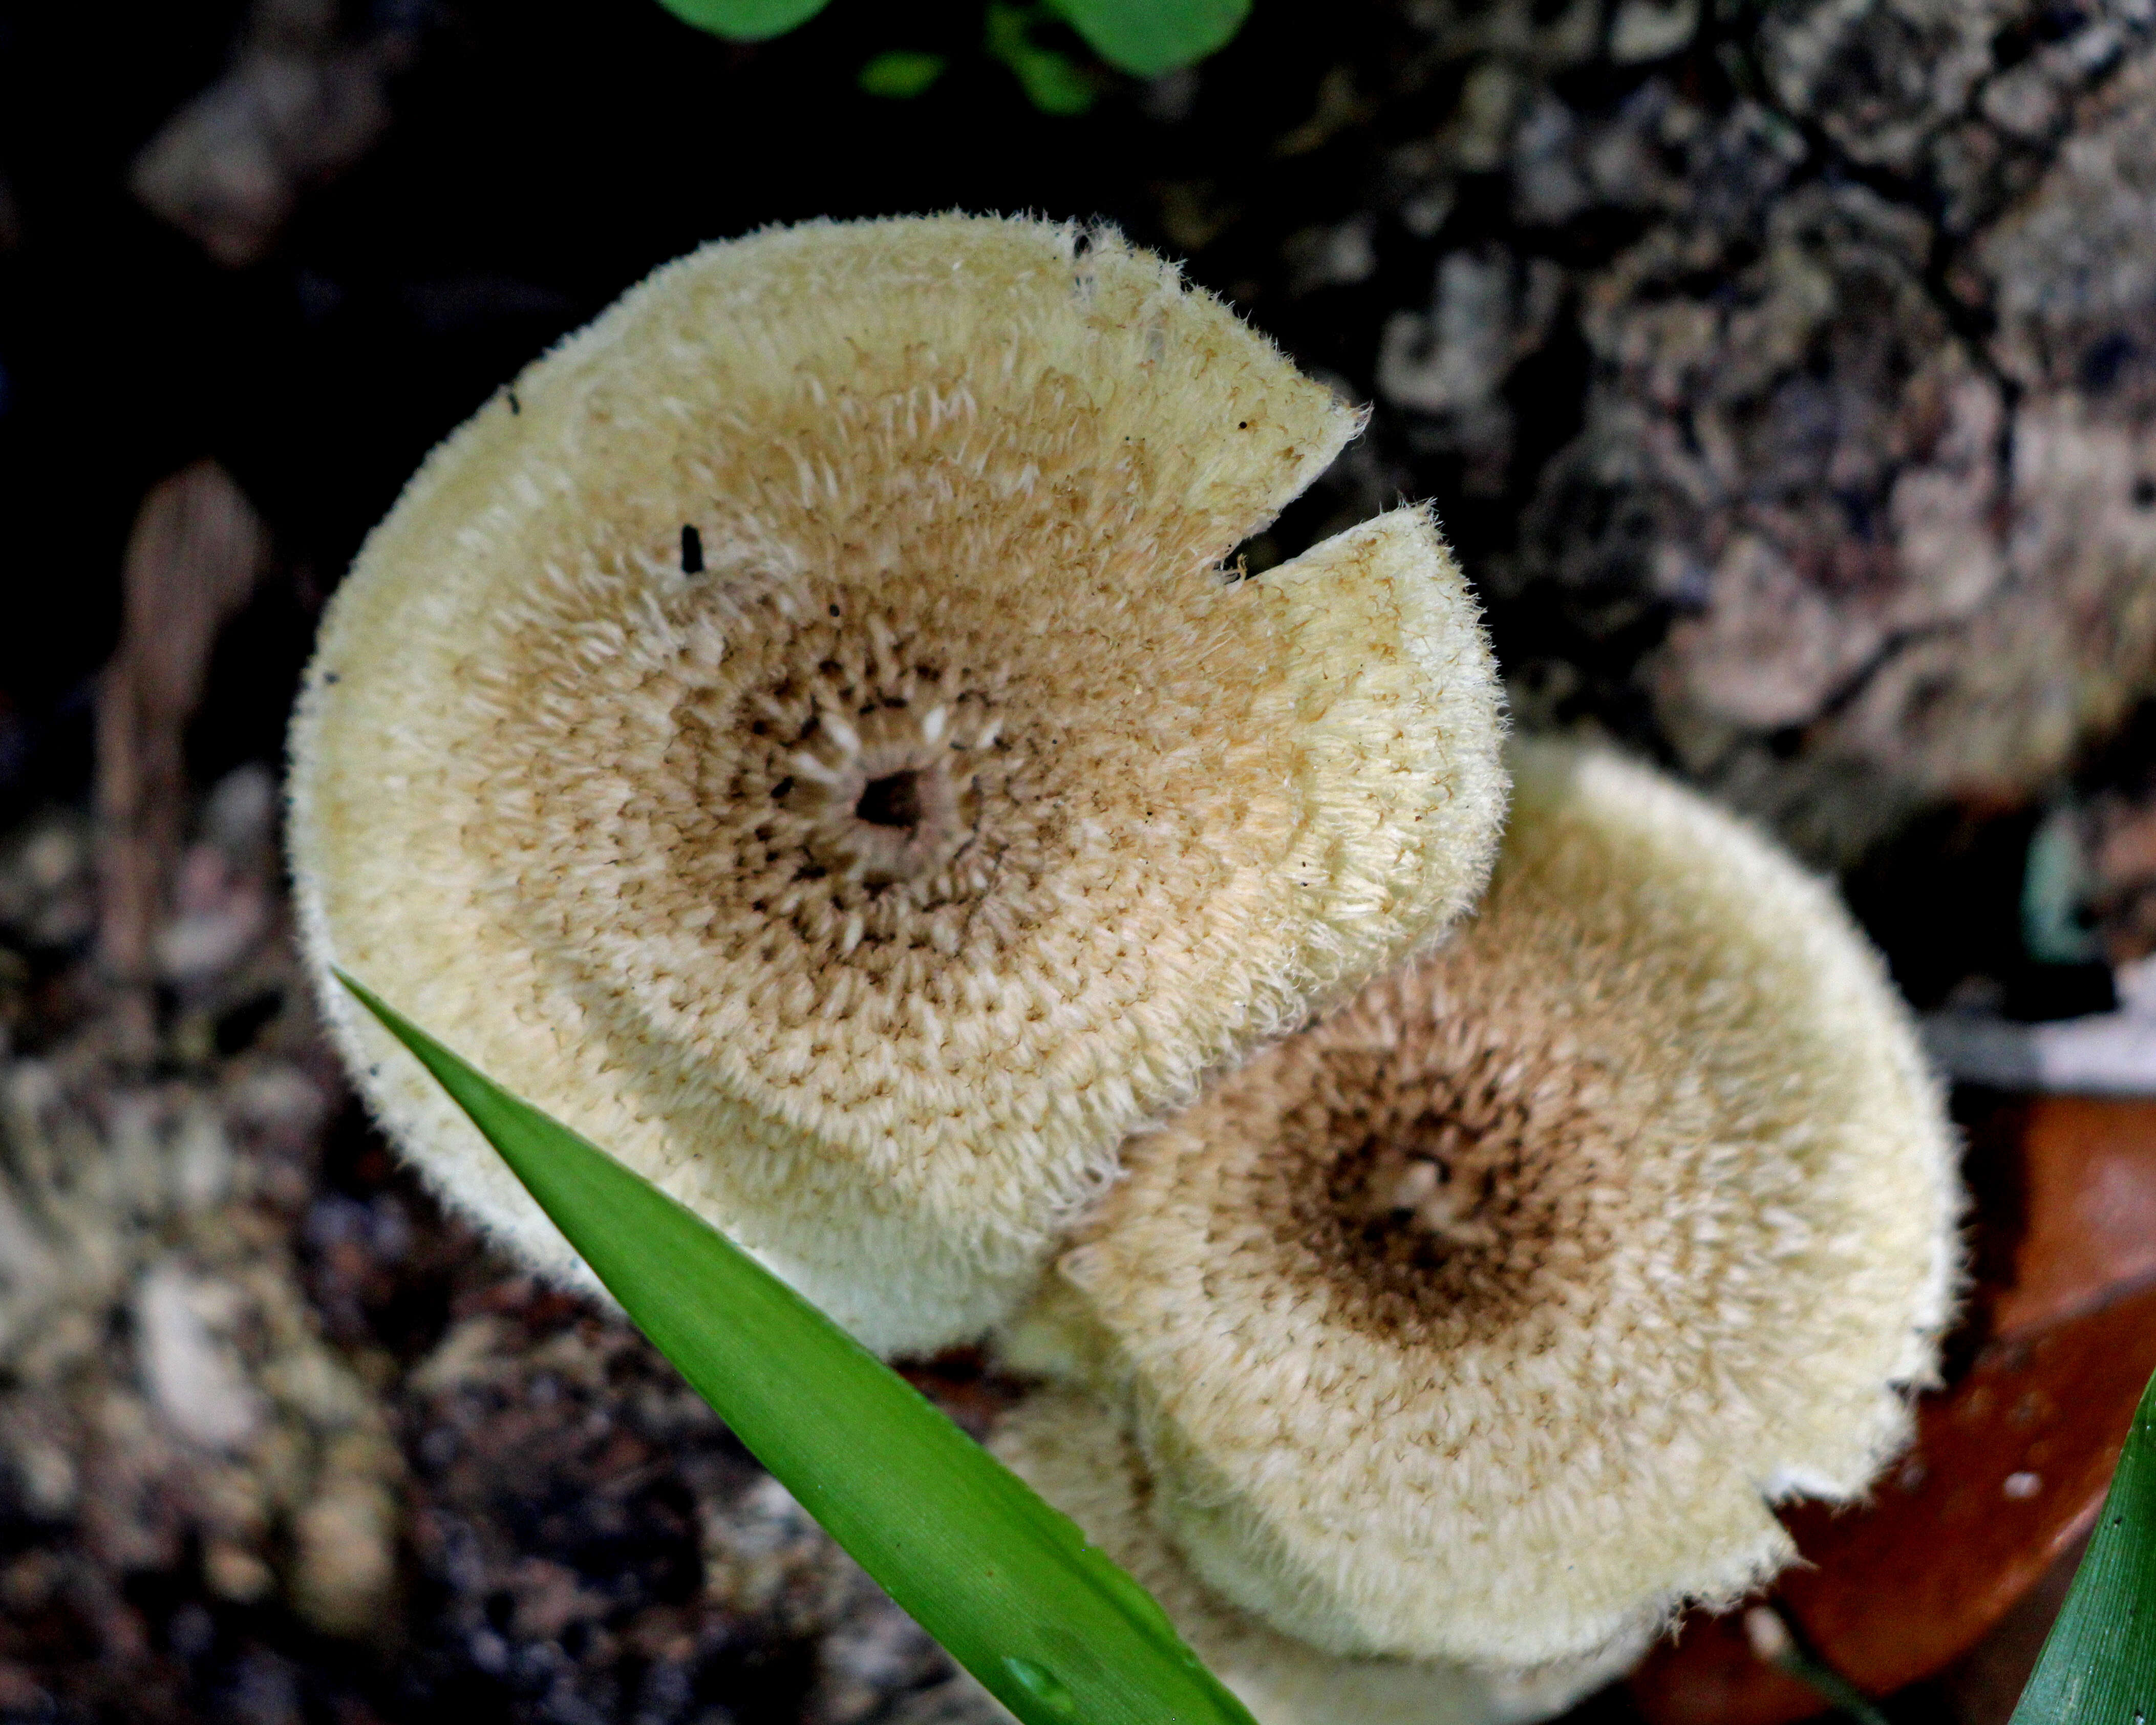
(803, 735)
(1070, 1450)
(1484, 1320)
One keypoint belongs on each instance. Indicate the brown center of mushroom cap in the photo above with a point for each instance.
(887, 792)
(1443, 1193)
(862, 795)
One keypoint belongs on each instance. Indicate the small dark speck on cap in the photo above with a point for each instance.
(1242, 425)
(514, 405)
(329, 676)
(692, 551)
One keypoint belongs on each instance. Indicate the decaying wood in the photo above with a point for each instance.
(297, 105)
(196, 552)
(1787, 372)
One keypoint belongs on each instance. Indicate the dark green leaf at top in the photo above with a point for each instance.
(745, 20)
(1147, 38)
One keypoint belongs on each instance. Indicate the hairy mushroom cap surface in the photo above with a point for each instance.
(1485, 1320)
(1072, 1451)
(806, 736)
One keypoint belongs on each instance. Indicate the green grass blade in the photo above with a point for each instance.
(2098, 1666)
(745, 20)
(1848, 1700)
(1057, 1633)
(1150, 37)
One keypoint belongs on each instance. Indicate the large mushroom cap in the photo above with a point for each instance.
(1071, 1450)
(1485, 1320)
(803, 735)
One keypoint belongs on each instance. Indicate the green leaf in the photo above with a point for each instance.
(2098, 1665)
(1051, 82)
(1053, 1629)
(901, 74)
(1148, 38)
(745, 20)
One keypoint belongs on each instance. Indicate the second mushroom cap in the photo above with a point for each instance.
(1487, 1320)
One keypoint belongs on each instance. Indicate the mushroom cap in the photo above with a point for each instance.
(1071, 1450)
(805, 736)
(1485, 1320)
